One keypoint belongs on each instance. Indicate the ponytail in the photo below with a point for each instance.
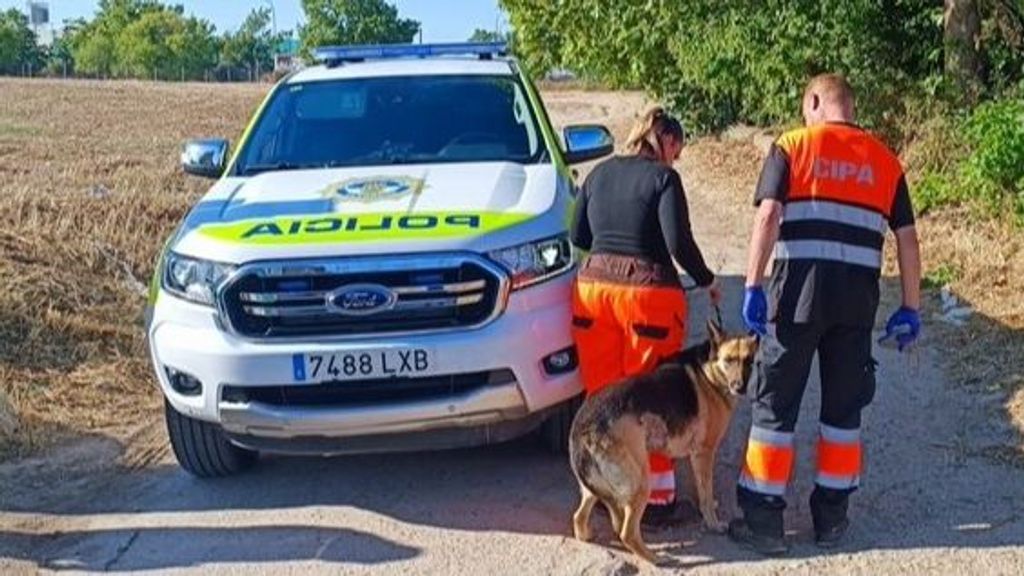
(645, 139)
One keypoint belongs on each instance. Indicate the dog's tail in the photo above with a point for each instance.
(580, 458)
(583, 451)
(577, 457)
(588, 470)
(583, 465)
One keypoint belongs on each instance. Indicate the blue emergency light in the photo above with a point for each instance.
(333, 55)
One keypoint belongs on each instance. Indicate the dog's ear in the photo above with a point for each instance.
(716, 334)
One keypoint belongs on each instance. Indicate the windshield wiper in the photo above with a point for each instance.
(254, 169)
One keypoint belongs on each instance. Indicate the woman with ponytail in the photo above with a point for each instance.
(629, 307)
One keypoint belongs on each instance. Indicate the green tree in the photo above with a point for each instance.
(59, 59)
(481, 35)
(94, 55)
(252, 45)
(538, 38)
(18, 48)
(141, 48)
(1001, 44)
(142, 39)
(195, 48)
(94, 43)
(723, 61)
(340, 22)
(962, 30)
(116, 15)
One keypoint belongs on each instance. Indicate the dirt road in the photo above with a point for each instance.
(932, 502)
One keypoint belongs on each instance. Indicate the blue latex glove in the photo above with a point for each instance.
(904, 327)
(755, 310)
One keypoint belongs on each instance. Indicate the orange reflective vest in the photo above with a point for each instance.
(841, 187)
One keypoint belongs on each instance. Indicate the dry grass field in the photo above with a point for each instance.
(90, 188)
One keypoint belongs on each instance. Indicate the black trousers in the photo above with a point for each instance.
(780, 377)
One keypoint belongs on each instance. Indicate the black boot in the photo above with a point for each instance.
(760, 530)
(664, 516)
(828, 510)
(832, 536)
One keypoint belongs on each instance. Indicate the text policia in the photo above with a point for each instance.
(363, 227)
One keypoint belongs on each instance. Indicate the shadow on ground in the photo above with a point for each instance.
(256, 544)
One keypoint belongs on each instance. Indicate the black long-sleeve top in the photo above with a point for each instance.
(634, 206)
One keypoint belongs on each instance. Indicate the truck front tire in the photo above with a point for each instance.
(203, 449)
(554, 433)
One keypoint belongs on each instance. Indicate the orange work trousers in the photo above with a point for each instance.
(622, 330)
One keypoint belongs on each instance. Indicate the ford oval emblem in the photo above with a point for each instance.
(361, 299)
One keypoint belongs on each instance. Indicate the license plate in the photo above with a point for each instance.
(362, 365)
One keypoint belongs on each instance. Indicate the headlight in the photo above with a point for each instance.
(193, 279)
(535, 261)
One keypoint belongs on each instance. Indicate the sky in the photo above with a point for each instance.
(443, 20)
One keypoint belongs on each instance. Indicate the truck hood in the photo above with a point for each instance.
(388, 209)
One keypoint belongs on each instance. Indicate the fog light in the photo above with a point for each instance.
(182, 383)
(561, 362)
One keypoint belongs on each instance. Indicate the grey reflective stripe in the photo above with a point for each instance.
(840, 436)
(770, 488)
(828, 250)
(771, 437)
(662, 480)
(837, 482)
(834, 212)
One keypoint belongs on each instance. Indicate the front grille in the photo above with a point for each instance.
(294, 299)
(369, 392)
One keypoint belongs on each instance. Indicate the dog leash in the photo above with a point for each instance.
(716, 307)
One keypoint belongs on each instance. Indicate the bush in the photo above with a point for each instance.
(975, 160)
(936, 190)
(942, 275)
(995, 166)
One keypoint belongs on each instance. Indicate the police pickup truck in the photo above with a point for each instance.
(382, 264)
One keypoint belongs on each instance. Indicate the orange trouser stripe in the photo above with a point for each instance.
(839, 459)
(661, 497)
(662, 474)
(661, 463)
(768, 463)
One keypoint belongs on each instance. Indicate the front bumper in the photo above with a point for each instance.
(461, 434)
(535, 324)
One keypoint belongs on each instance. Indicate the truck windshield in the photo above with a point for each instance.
(393, 120)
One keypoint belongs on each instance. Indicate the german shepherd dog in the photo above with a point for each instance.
(682, 409)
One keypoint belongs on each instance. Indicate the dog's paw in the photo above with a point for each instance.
(582, 535)
(716, 526)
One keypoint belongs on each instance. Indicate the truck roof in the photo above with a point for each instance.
(413, 66)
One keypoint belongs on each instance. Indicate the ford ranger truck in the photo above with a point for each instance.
(382, 264)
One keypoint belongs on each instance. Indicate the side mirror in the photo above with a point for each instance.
(587, 142)
(206, 158)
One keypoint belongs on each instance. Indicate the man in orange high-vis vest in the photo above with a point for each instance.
(826, 195)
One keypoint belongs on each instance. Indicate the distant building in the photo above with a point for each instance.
(39, 21)
(286, 55)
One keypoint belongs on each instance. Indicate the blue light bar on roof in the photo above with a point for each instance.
(384, 51)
